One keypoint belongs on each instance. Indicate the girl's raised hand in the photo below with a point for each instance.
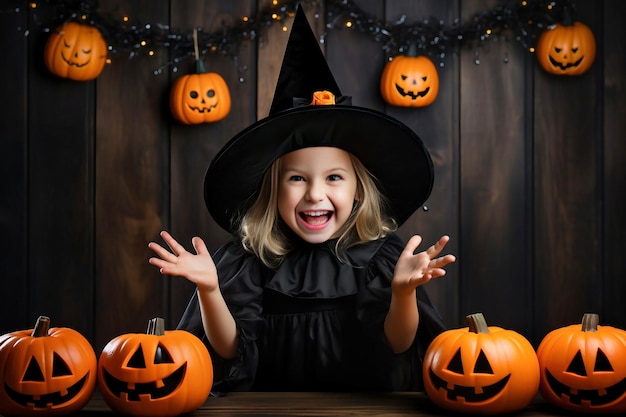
(198, 268)
(415, 269)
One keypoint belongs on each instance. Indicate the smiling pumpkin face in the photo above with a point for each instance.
(161, 373)
(566, 49)
(583, 367)
(481, 369)
(200, 98)
(45, 371)
(75, 51)
(409, 81)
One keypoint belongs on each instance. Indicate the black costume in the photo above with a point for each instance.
(316, 324)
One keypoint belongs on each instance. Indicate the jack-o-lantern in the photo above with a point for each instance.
(566, 49)
(198, 98)
(583, 367)
(159, 373)
(481, 369)
(76, 51)
(45, 371)
(410, 80)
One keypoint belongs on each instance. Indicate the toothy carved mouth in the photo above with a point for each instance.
(593, 397)
(46, 400)
(411, 94)
(169, 385)
(74, 64)
(469, 393)
(557, 64)
(202, 109)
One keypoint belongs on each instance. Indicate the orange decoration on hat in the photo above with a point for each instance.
(323, 98)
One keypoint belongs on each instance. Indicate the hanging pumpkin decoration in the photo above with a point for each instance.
(410, 80)
(45, 371)
(481, 369)
(583, 367)
(160, 373)
(566, 49)
(76, 51)
(202, 97)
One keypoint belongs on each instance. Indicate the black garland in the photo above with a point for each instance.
(518, 20)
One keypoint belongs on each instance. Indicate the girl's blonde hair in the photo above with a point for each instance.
(263, 233)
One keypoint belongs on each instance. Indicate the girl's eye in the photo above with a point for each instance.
(334, 177)
(296, 178)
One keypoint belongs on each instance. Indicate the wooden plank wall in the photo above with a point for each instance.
(529, 169)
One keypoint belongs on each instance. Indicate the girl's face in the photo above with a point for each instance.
(316, 191)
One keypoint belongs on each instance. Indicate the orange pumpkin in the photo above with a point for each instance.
(481, 369)
(160, 373)
(409, 81)
(76, 51)
(566, 49)
(583, 367)
(202, 97)
(45, 371)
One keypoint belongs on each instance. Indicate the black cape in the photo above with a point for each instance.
(315, 323)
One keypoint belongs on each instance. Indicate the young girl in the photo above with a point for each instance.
(315, 291)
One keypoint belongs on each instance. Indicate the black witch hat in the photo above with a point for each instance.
(390, 150)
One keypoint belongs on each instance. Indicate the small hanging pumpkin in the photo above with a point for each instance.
(160, 373)
(583, 367)
(202, 97)
(410, 80)
(566, 49)
(76, 51)
(45, 371)
(480, 369)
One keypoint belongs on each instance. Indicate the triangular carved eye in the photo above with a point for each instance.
(577, 366)
(456, 364)
(33, 372)
(137, 360)
(162, 355)
(602, 363)
(482, 365)
(59, 367)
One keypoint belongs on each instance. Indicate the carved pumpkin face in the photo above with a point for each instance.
(200, 98)
(583, 368)
(566, 50)
(162, 373)
(409, 81)
(481, 369)
(45, 371)
(75, 51)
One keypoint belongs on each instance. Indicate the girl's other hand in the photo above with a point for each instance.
(198, 268)
(415, 269)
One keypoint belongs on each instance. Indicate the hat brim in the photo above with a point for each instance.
(389, 149)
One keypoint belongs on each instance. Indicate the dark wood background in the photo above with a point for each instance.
(530, 171)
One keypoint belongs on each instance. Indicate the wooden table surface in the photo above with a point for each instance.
(322, 404)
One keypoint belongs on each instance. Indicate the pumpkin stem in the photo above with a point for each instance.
(412, 52)
(567, 16)
(477, 323)
(156, 326)
(200, 69)
(41, 327)
(590, 322)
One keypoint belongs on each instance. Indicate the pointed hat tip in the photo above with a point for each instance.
(304, 69)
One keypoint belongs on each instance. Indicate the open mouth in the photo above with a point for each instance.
(414, 95)
(564, 66)
(470, 394)
(153, 390)
(316, 218)
(593, 397)
(45, 401)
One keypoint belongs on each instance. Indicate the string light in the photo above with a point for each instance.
(524, 19)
